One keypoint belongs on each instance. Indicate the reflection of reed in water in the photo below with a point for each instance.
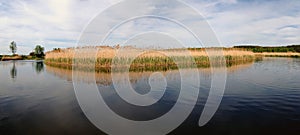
(105, 79)
(234, 68)
(101, 78)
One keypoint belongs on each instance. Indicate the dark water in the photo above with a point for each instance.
(260, 98)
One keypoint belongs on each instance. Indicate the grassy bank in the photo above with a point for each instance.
(279, 54)
(9, 57)
(150, 60)
(19, 57)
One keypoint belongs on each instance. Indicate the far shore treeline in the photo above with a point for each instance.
(36, 54)
(258, 49)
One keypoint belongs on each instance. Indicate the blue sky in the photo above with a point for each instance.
(59, 23)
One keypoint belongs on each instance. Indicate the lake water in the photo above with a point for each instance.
(260, 98)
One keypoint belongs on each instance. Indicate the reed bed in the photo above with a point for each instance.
(107, 58)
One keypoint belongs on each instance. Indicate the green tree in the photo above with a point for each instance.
(13, 47)
(39, 51)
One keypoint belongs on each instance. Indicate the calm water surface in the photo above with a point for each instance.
(260, 98)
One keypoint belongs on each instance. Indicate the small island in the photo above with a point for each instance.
(156, 59)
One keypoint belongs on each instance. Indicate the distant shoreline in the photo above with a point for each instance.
(18, 57)
(279, 54)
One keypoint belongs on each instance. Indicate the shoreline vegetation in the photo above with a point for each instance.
(19, 57)
(278, 54)
(37, 54)
(146, 60)
(279, 51)
(153, 60)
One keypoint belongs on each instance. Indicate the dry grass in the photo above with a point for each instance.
(108, 52)
(279, 54)
(141, 60)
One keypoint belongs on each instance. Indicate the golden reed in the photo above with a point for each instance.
(149, 60)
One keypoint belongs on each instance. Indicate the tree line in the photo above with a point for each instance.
(290, 48)
(38, 50)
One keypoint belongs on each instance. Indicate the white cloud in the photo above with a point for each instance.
(253, 22)
(58, 23)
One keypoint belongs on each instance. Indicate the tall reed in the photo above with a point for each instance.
(149, 60)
